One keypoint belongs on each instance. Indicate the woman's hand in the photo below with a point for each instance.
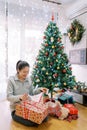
(24, 97)
(44, 90)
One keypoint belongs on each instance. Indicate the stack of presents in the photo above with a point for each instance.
(37, 111)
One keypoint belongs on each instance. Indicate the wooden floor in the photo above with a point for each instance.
(6, 123)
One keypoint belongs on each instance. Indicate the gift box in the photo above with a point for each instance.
(72, 109)
(65, 98)
(54, 108)
(35, 112)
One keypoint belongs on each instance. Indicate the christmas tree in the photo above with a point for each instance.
(52, 68)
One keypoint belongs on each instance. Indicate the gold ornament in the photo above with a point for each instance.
(56, 60)
(46, 73)
(69, 34)
(53, 46)
(64, 84)
(40, 61)
(56, 85)
(43, 68)
(37, 80)
(58, 68)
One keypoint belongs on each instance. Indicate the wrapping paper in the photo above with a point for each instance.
(72, 109)
(33, 111)
(54, 108)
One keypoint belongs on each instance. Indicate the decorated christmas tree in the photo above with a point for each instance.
(52, 68)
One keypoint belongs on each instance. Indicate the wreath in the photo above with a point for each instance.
(75, 32)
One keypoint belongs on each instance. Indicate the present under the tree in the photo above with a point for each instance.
(65, 98)
(54, 108)
(72, 109)
(32, 111)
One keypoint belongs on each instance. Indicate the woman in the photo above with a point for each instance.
(18, 89)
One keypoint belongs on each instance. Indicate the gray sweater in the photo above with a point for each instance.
(16, 88)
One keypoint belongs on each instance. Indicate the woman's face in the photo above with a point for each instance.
(23, 73)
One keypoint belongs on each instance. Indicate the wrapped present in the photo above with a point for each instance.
(54, 108)
(66, 98)
(72, 109)
(72, 117)
(69, 105)
(33, 111)
(64, 113)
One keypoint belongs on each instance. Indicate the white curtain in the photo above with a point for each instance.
(21, 34)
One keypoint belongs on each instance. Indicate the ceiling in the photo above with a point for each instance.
(28, 2)
(63, 1)
(68, 6)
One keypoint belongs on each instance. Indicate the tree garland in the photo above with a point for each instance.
(75, 32)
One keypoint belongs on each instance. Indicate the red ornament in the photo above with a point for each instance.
(46, 44)
(59, 39)
(51, 63)
(64, 71)
(36, 66)
(44, 37)
(62, 47)
(36, 77)
(55, 75)
(46, 53)
(70, 68)
(54, 54)
(52, 18)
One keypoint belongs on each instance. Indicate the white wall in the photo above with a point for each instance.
(80, 71)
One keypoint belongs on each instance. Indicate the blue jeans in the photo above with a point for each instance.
(24, 121)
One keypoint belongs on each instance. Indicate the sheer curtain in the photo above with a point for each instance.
(21, 34)
(2, 49)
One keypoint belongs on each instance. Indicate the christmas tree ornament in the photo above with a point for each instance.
(56, 85)
(46, 73)
(44, 37)
(69, 35)
(43, 68)
(51, 63)
(36, 66)
(46, 44)
(52, 39)
(37, 80)
(39, 62)
(36, 77)
(53, 47)
(44, 81)
(55, 75)
(64, 70)
(52, 18)
(54, 54)
(62, 47)
(59, 39)
(58, 68)
(70, 68)
(56, 60)
(46, 54)
(64, 84)
(49, 77)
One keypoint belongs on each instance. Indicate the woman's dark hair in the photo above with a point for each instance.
(21, 64)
